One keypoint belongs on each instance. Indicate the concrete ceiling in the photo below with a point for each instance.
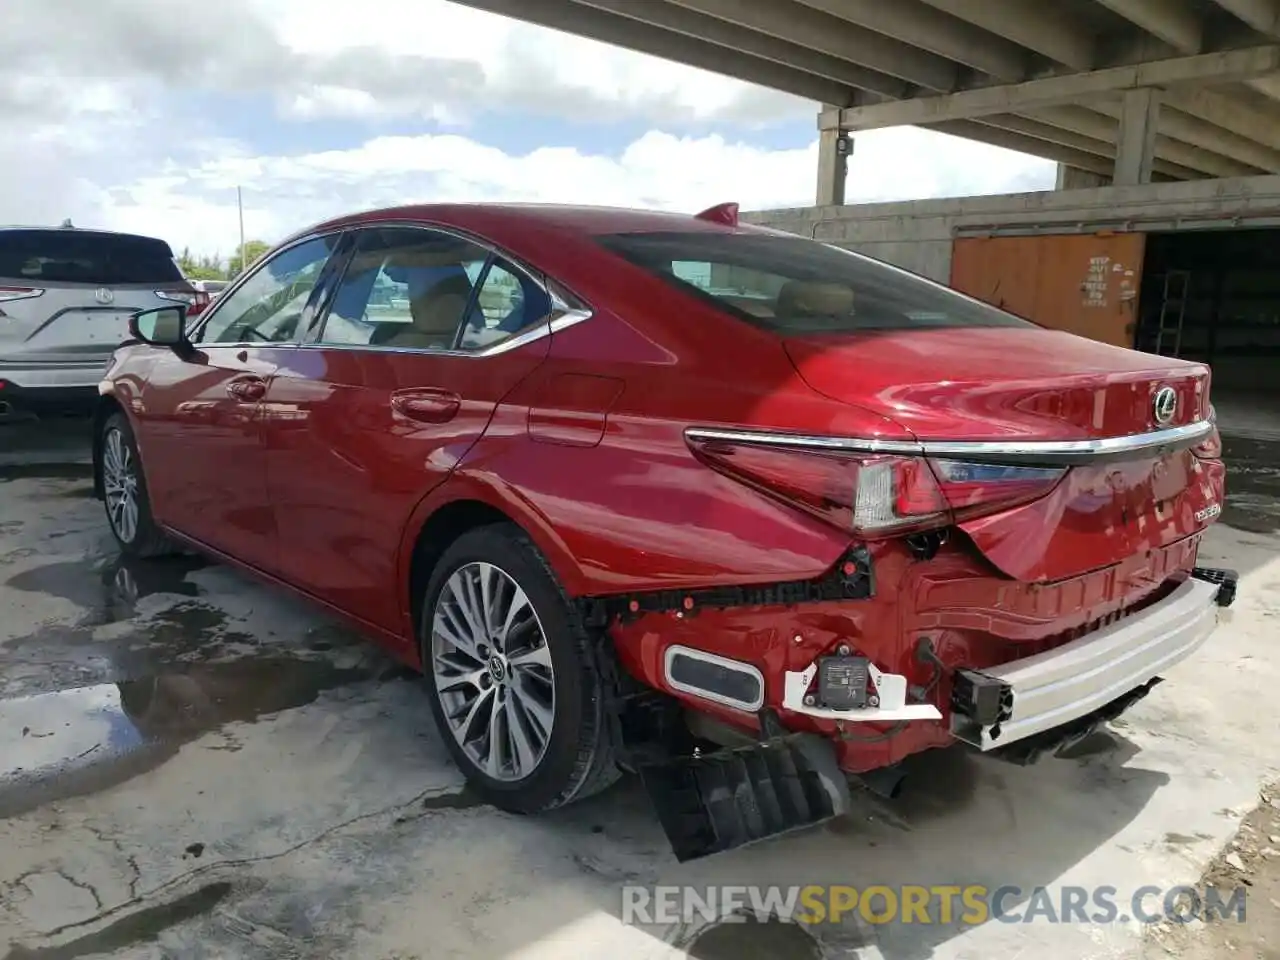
(1046, 78)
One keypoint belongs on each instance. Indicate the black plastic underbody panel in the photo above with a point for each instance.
(717, 801)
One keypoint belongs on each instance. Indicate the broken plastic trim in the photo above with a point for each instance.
(709, 803)
(852, 578)
(1227, 580)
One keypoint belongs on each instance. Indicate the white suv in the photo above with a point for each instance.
(65, 299)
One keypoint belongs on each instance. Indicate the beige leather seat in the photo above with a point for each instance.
(799, 299)
(435, 317)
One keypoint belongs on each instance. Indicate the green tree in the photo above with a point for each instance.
(206, 267)
(251, 251)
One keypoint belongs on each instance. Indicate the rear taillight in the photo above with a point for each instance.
(199, 302)
(187, 297)
(875, 495)
(8, 294)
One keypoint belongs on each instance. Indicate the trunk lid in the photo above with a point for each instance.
(1033, 385)
(1000, 383)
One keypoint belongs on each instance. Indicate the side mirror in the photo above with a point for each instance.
(161, 327)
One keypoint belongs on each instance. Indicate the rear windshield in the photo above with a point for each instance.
(794, 286)
(73, 256)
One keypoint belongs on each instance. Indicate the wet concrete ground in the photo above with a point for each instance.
(193, 765)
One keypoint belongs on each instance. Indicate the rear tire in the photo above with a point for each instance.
(124, 489)
(513, 677)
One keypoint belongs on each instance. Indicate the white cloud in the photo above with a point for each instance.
(284, 193)
(92, 133)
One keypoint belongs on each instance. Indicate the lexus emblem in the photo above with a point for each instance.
(1164, 405)
(103, 295)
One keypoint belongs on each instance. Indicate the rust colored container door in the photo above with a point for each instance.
(1085, 284)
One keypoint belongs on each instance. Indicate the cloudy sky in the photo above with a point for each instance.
(146, 114)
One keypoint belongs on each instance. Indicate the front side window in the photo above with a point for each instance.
(268, 306)
(420, 289)
(795, 286)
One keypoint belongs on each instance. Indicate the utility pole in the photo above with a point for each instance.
(240, 208)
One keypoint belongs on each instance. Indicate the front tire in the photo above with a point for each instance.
(512, 673)
(124, 493)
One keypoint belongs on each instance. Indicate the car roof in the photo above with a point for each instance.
(579, 219)
(78, 231)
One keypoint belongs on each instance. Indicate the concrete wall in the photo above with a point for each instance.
(917, 235)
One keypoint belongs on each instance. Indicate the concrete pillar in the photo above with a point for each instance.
(834, 148)
(1073, 178)
(1136, 144)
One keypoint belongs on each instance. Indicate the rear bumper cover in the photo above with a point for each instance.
(36, 377)
(1078, 678)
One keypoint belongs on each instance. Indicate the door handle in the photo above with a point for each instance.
(427, 406)
(247, 389)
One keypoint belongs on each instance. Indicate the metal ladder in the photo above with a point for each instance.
(1177, 284)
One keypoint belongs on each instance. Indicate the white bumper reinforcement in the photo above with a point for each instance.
(1077, 678)
(1055, 687)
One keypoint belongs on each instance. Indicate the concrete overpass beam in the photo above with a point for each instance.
(930, 29)
(1136, 146)
(641, 37)
(1041, 27)
(834, 37)
(1172, 21)
(1073, 178)
(1245, 120)
(1262, 15)
(1207, 68)
(690, 24)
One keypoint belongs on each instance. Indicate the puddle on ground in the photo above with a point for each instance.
(45, 471)
(463, 799)
(1253, 485)
(749, 938)
(133, 929)
(79, 741)
(110, 590)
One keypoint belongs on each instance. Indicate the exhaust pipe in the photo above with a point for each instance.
(885, 782)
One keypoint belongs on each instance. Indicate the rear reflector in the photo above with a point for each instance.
(878, 495)
(718, 679)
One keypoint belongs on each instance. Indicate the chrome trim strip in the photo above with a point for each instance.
(543, 329)
(736, 666)
(1029, 452)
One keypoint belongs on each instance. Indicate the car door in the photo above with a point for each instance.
(425, 334)
(201, 434)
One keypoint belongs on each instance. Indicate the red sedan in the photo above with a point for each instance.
(628, 486)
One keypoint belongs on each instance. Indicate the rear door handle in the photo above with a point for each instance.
(427, 406)
(247, 389)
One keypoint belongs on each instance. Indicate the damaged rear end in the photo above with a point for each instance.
(1021, 561)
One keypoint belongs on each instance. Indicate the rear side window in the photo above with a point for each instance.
(75, 256)
(795, 286)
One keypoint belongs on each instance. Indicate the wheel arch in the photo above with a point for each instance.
(461, 504)
(106, 406)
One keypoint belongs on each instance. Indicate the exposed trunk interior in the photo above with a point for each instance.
(1214, 296)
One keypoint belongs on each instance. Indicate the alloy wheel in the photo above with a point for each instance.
(493, 672)
(120, 485)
